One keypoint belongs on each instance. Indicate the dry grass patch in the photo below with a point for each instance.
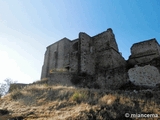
(39, 94)
(41, 101)
(126, 101)
(107, 99)
(16, 94)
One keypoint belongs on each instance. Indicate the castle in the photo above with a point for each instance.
(95, 61)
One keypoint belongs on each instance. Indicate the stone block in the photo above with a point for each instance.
(144, 76)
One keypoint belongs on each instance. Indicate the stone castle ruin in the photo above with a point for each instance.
(95, 62)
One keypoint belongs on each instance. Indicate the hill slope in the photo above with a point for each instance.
(44, 102)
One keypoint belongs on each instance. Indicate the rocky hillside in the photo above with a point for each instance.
(44, 102)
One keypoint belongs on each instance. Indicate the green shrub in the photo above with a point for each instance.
(79, 97)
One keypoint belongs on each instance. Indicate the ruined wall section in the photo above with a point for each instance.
(117, 59)
(105, 40)
(144, 48)
(110, 65)
(53, 61)
(65, 56)
(56, 57)
(63, 50)
(113, 74)
(144, 52)
(74, 56)
(45, 67)
(107, 53)
(86, 49)
(112, 78)
(61, 78)
(109, 59)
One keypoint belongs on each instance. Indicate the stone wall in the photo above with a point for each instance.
(144, 48)
(56, 57)
(109, 59)
(59, 52)
(104, 41)
(87, 63)
(73, 61)
(61, 78)
(45, 67)
(144, 52)
(112, 78)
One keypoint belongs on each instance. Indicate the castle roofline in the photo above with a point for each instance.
(153, 39)
(60, 41)
(146, 41)
(109, 29)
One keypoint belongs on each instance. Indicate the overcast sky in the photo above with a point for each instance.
(27, 27)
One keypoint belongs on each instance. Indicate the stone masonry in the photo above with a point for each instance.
(144, 52)
(147, 75)
(95, 62)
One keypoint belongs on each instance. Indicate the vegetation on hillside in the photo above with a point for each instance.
(4, 87)
(44, 102)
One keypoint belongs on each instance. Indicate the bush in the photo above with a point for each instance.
(4, 87)
(79, 97)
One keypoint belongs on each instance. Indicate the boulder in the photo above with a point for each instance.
(144, 76)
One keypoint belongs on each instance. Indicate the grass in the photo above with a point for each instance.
(107, 99)
(16, 94)
(41, 101)
(79, 96)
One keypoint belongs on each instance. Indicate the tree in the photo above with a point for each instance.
(4, 87)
